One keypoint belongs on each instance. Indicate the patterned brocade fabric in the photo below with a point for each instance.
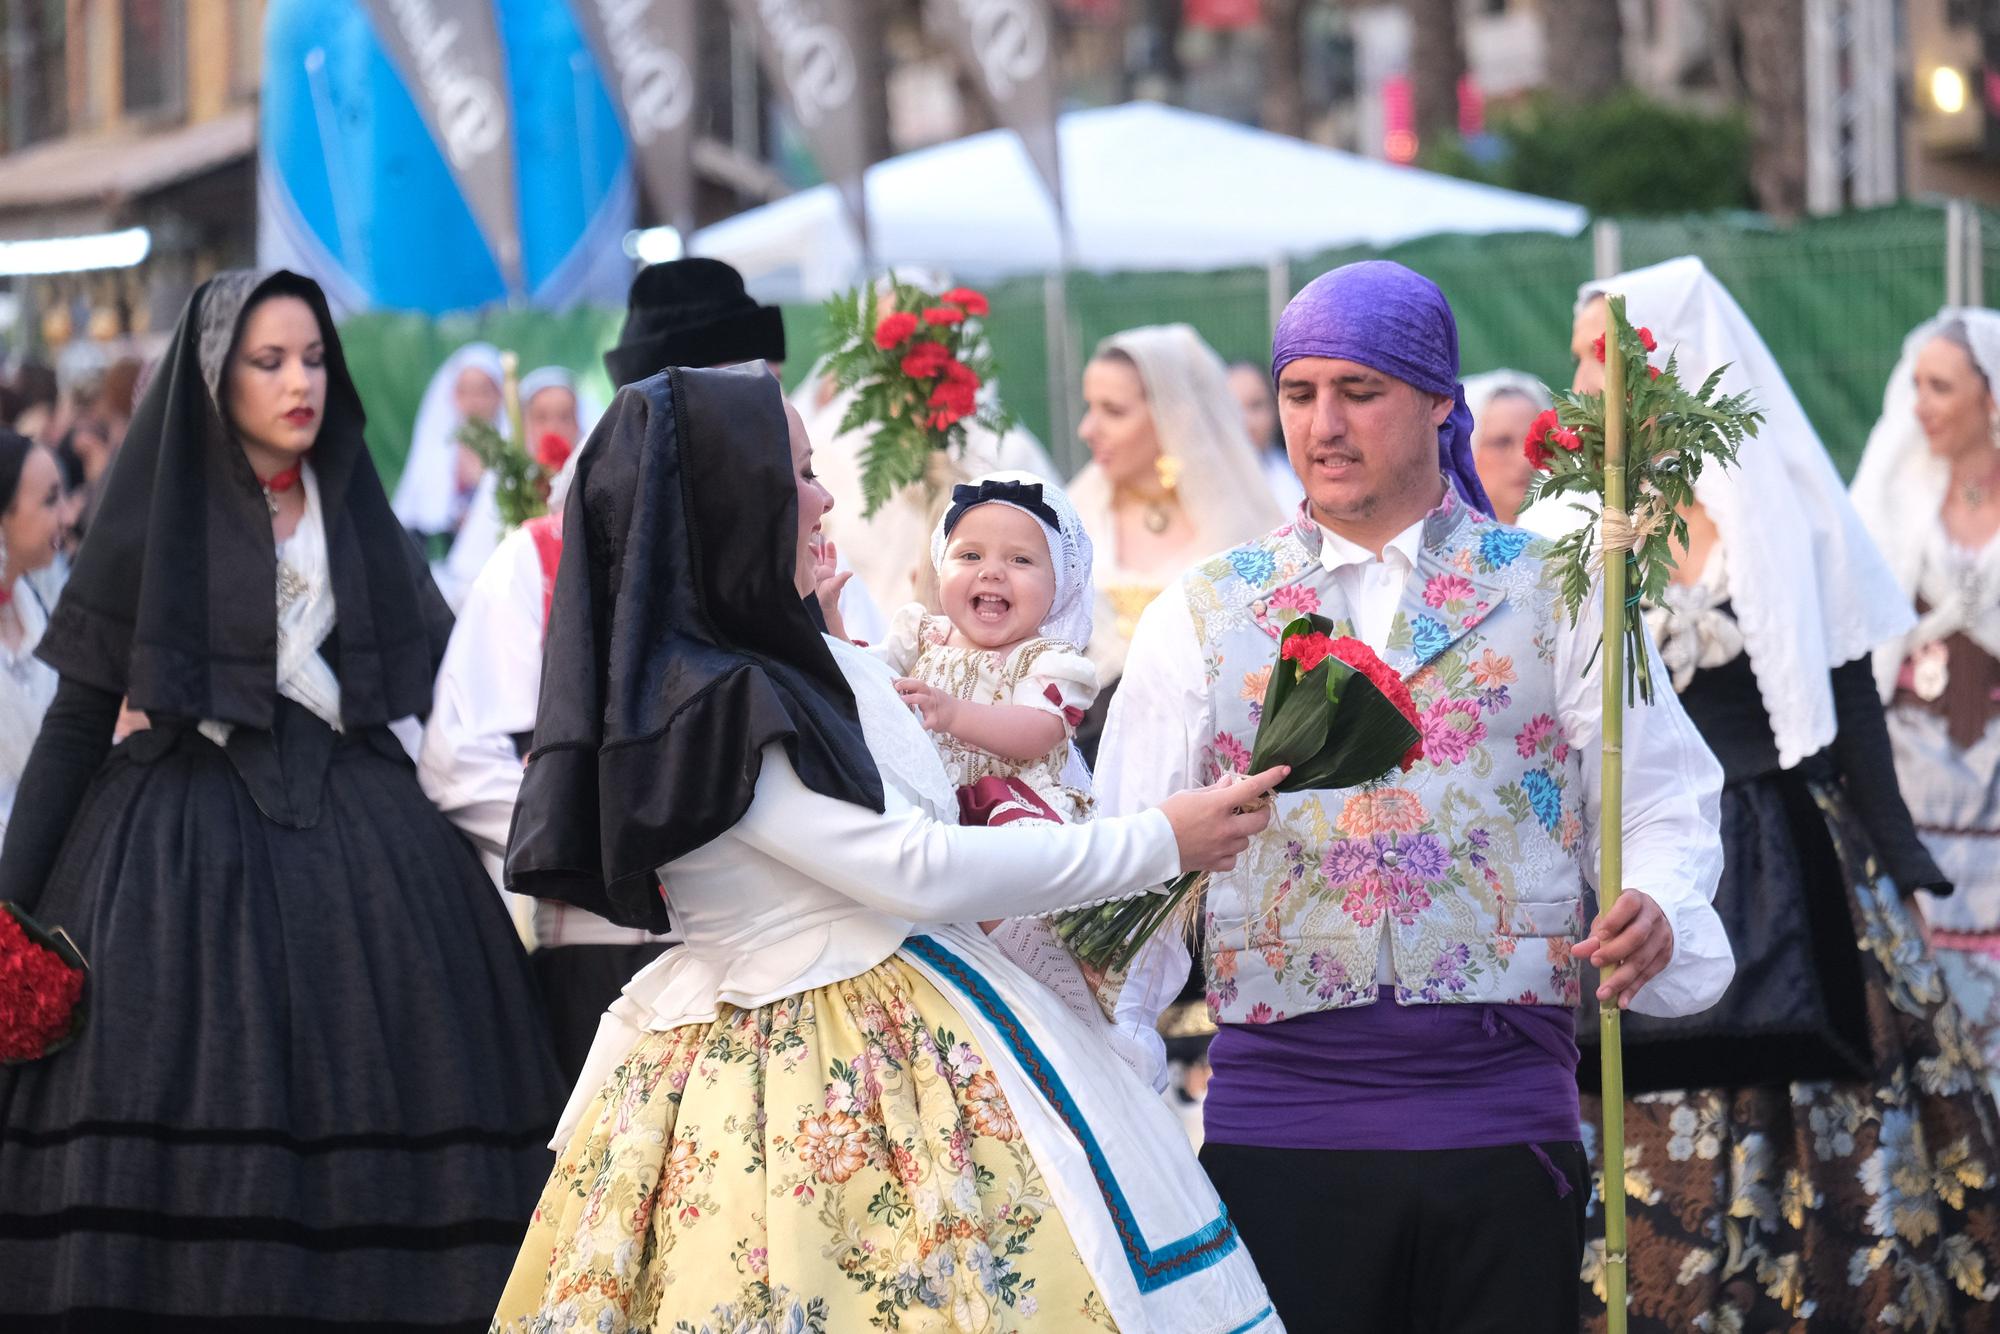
(1859, 1205)
(838, 1160)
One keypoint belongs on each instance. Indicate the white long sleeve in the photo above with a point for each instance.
(486, 692)
(909, 866)
(1158, 724)
(1673, 818)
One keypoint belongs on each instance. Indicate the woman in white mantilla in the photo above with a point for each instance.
(440, 474)
(1836, 1051)
(553, 404)
(1929, 490)
(1172, 476)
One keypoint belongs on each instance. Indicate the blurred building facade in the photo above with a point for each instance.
(1851, 103)
(122, 114)
(118, 115)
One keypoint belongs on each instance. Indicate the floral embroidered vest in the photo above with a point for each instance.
(1468, 862)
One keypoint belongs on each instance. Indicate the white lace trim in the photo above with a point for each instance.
(1690, 628)
(901, 748)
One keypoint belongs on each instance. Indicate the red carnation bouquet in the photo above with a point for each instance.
(919, 360)
(41, 988)
(1334, 712)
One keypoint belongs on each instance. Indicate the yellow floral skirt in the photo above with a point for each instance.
(838, 1160)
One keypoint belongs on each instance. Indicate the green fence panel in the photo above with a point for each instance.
(1832, 298)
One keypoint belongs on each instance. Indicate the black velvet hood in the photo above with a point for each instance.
(173, 599)
(677, 649)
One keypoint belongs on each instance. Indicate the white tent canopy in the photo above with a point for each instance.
(1147, 187)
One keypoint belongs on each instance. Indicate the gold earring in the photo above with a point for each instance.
(1167, 469)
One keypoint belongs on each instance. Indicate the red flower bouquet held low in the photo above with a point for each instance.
(41, 988)
(1334, 712)
(918, 361)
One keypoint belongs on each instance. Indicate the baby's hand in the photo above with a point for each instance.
(829, 580)
(937, 711)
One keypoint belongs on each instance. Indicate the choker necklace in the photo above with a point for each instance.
(278, 483)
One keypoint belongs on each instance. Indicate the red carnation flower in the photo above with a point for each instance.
(1567, 438)
(1387, 680)
(926, 360)
(944, 315)
(1536, 445)
(894, 328)
(1307, 650)
(552, 451)
(1652, 372)
(955, 397)
(38, 994)
(971, 302)
(1597, 347)
(1646, 339)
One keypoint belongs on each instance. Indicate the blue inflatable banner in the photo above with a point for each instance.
(355, 190)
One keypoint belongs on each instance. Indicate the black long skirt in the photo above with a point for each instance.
(315, 1088)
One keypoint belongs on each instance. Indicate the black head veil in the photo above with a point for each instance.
(172, 602)
(677, 648)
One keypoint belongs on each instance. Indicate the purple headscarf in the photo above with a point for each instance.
(1396, 321)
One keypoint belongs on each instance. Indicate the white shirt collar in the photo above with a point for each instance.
(1336, 552)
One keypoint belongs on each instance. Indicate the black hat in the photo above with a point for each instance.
(692, 312)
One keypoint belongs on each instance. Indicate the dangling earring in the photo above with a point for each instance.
(1167, 469)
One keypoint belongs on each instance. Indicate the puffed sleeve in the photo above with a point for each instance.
(1056, 679)
(901, 645)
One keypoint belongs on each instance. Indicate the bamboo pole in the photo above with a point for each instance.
(510, 399)
(1611, 811)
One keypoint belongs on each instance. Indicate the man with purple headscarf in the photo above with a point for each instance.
(1392, 1119)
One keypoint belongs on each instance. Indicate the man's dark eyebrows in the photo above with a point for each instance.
(1368, 379)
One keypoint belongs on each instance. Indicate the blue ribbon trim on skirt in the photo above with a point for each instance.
(1152, 1267)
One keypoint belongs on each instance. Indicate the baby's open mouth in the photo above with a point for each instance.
(990, 606)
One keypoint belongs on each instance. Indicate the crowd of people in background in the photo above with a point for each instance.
(1838, 653)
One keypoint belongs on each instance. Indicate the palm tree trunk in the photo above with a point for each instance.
(1284, 110)
(1582, 39)
(1773, 43)
(1437, 64)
